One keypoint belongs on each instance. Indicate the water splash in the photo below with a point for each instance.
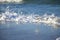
(8, 16)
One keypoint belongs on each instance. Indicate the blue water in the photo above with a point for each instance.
(32, 8)
(13, 31)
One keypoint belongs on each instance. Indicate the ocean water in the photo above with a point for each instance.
(29, 31)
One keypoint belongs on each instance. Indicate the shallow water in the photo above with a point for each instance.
(29, 31)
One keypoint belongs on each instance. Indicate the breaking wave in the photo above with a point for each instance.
(8, 16)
